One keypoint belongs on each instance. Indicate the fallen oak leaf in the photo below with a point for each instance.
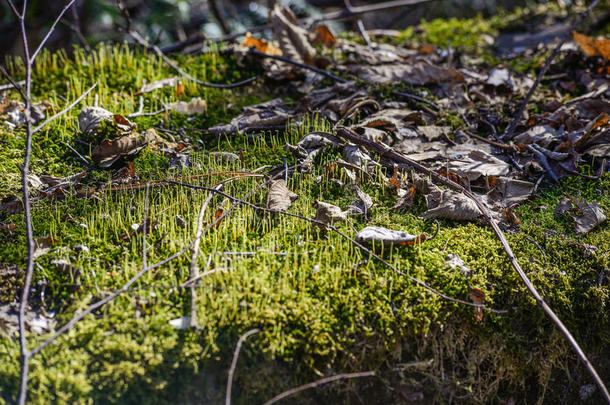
(586, 216)
(450, 204)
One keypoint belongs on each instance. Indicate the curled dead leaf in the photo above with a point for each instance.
(109, 151)
(280, 197)
(90, 118)
(387, 237)
(329, 213)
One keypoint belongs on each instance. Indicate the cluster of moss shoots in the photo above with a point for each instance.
(322, 305)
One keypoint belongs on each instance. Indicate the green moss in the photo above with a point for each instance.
(323, 306)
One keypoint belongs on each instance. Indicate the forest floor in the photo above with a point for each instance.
(323, 305)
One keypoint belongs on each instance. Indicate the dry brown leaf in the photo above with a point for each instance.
(450, 204)
(329, 213)
(586, 215)
(261, 44)
(323, 35)
(11, 204)
(591, 46)
(13, 112)
(279, 197)
(91, 117)
(418, 73)
(109, 151)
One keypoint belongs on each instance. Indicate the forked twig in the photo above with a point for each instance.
(65, 110)
(240, 342)
(404, 161)
(29, 230)
(316, 383)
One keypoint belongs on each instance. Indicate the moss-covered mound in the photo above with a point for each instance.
(323, 306)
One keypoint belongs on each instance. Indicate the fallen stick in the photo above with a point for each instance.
(14, 85)
(194, 268)
(389, 153)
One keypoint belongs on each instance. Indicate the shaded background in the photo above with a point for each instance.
(169, 21)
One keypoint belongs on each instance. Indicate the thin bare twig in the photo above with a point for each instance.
(29, 230)
(139, 39)
(542, 159)
(509, 132)
(194, 268)
(260, 54)
(65, 110)
(404, 161)
(144, 226)
(417, 98)
(353, 241)
(51, 30)
(240, 342)
(316, 383)
(14, 84)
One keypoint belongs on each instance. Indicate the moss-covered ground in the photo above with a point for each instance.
(322, 305)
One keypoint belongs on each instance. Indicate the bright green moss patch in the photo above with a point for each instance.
(323, 306)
